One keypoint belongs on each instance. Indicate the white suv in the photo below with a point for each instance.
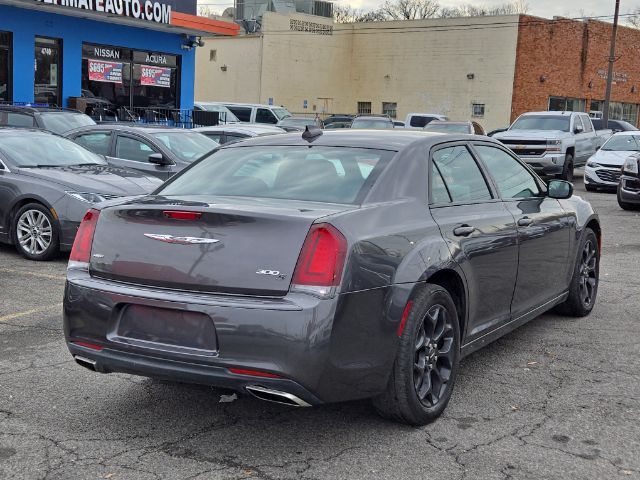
(256, 113)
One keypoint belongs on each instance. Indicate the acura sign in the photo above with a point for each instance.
(141, 9)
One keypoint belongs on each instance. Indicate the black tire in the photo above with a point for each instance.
(583, 288)
(422, 379)
(37, 239)
(567, 169)
(589, 188)
(625, 205)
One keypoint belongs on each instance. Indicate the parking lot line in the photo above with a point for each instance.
(11, 316)
(33, 274)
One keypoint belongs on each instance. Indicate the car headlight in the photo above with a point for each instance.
(87, 197)
(554, 145)
(593, 164)
(630, 166)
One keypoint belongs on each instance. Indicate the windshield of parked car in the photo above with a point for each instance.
(187, 146)
(542, 122)
(318, 174)
(62, 122)
(281, 112)
(371, 124)
(229, 116)
(297, 122)
(30, 151)
(447, 128)
(623, 143)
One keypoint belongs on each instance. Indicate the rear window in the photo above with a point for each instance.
(58, 122)
(317, 174)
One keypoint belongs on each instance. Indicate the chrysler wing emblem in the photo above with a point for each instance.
(180, 240)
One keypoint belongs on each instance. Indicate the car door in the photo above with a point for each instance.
(480, 232)
(544, 229)
(591, 138)
(581, 139)
(8, 193)
(133, 152)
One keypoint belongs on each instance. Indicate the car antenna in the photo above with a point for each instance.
(311, 133)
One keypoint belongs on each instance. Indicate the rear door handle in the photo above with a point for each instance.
(525, 222)
(463, 230)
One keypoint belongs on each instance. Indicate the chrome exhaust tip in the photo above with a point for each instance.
(85, 362)
(276, 396)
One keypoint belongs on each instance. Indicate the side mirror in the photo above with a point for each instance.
(159, 159)
(578, 129)
(598, 147)
(559, 189)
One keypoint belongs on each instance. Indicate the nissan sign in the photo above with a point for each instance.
(140, 9)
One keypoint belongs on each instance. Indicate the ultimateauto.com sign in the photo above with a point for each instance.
(140, 9)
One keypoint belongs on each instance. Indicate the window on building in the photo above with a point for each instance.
(567, 104)
(390, 108)
(477, 110)
(618, 110)
(47, 87)
(364, 108)
(5, 66)
(213, 55)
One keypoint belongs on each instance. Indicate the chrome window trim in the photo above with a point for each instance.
(3, 167)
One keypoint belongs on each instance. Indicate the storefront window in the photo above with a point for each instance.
(48, 71)
(5, 66)
(567, 104)
(618, 110)
(114, 77)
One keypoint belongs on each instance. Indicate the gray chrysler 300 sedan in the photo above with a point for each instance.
(47, 183)
(326, 267)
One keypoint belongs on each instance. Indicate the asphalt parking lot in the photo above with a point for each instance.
(557, 399)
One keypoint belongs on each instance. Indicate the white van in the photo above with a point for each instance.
(421, 120)
(255, 112)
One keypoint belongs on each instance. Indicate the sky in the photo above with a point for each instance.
(541, 8)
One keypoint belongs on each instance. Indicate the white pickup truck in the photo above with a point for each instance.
(553, 143)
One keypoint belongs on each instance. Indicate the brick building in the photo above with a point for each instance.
(562, 64)
(490, 69)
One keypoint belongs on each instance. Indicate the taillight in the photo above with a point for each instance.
(179, 215)
(321, 260)
(81, 251)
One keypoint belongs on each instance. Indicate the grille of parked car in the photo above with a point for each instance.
(524, 142)
(609, 175)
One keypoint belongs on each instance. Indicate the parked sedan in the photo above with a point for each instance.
(233, 133)
(154, 150)
(47, 183)
(372, 122)
(298, 124)
(603, 169)
(280, 267)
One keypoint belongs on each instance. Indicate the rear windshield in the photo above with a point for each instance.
(58, 122)
(372, 124)
(447, 128)
(187, 146)
(317, 174)
(541, 122)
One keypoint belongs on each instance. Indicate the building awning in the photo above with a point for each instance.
(178, 22)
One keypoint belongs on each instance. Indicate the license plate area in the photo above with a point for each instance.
(179, 331)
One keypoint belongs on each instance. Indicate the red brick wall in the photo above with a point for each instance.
(568, 54)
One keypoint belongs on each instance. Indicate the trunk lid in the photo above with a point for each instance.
(236, 246)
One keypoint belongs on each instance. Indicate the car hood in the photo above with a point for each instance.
(96, 179)
(532, 134)
(611, 157)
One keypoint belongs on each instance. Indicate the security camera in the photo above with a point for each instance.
(200, 42)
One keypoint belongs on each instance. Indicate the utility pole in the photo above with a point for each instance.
(612, 59)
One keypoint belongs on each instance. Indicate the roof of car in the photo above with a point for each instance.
(373, 117)
(551, 113)
(240, 128)
(22, 130)
(143, 128)
(627, 132)
(37, 108)
(391, 139)
(447, 122)
(238, 104)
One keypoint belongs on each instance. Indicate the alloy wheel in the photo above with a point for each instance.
(434, 356)
(588, 274)
(34, 232)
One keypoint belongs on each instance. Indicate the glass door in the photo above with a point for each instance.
(5, 66)
(47, 87)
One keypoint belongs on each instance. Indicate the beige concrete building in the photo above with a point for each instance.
(388, 67)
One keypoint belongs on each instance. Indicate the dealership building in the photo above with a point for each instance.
(127, 53)
(488, 69)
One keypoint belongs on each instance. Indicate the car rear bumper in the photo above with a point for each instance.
(317, 354)
(629, 189)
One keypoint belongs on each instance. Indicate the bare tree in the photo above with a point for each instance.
(409, 9)
(634, 19)
(346, 14)
(470, 10)
(206, 11)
